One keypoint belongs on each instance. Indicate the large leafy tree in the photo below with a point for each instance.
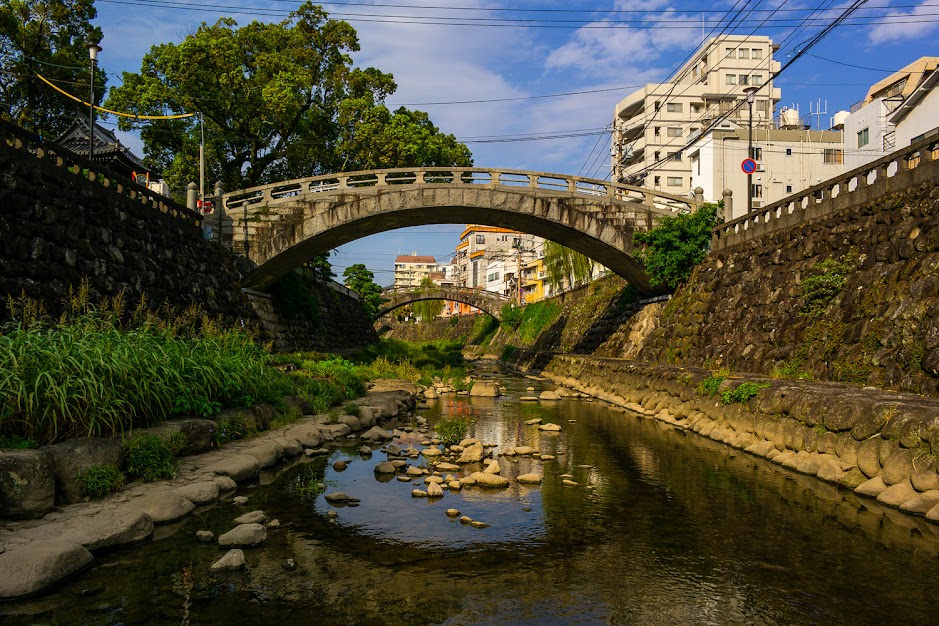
(427, 310)
(361, 280)
(46, 37)
(565, 267)
(279, 101)
(671, 250)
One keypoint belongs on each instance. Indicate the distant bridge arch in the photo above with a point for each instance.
(488, 302)
(282, 225)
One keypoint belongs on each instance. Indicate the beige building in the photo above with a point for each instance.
(652, 125)
(788, 161)
(480, 246)
(411, 269)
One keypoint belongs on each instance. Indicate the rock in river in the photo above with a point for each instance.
(244, 535)
(472, 454)
(533, 479)
(338, 497)
(493, 481)
(35, 566)
(233, 560)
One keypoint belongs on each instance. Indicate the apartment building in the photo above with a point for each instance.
(411, 269)
(481, 245)
(653, 125)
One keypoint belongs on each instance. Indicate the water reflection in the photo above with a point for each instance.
(662, 528)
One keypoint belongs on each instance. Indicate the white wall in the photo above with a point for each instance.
(923, 118)
(873, 117)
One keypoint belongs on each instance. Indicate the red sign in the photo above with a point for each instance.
(748, 166)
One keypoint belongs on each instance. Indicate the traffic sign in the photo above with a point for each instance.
(748, 166)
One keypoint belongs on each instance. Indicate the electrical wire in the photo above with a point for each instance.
(118, 113)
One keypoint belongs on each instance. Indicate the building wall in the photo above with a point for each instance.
(873, 117)
(920, 121)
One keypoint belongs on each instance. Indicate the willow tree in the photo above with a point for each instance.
(279, 101)
(565, 267)
(427, 310)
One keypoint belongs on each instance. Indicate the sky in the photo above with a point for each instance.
(533, 85)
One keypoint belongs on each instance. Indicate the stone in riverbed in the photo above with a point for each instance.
(417, 493)
(27, 483)
(365, 451)
(238, 467)
(162, 507)
(201, 492)
(340, 465)
(921, 503)
(466, 519)
(533, 422)
(431, 452)
(455, 485)
(34, 566)
(338, 497)
(415, 471)
(376, 433)
(244, 535)
(569, 483)
(434, 490)
(549, 395)
(478, 524)
(265, 453)
(385, 467)
(240, 500)
(472, 454)
(550, 428)
(468, 442)
(493, 468)
(204, 536)
(225, 483)
(529, 399)
(393, 449)
(433, 479)
(492, 481)
(453, 512)
(307, 435)
(524, 450)
(485, 389)
(448, 467)
(233, 560)
(533, 479)
(254, 517)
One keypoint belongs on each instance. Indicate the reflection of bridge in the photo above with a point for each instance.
(283, 224)
(487, 301)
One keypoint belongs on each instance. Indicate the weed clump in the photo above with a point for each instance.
(100, 480)
(151, 457)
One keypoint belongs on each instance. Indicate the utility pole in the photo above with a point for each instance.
(93, 50)
(750, 95)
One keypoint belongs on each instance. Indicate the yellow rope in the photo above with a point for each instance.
(139, 117)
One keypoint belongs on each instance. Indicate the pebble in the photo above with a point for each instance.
(466, 519)
(453, 512)
(204, 536)
(340, 466)
(240, 500)
(478, 524)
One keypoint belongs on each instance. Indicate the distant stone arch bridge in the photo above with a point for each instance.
(282, 225)
(489, 302)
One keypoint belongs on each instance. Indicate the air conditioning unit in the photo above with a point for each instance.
(760, 168)
(757, 204)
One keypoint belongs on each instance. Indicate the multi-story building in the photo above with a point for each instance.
(411, 269)
(481, 245)
(788, 161)
(652, 125)
(534, 282)
(897, 111)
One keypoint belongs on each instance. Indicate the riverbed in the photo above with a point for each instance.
(660, 527)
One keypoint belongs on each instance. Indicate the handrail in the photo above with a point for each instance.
(21, 139)
(837, 192)
(275, 193)
(465, 290)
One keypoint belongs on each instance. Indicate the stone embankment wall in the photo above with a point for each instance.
(750, 307)
(881, 444)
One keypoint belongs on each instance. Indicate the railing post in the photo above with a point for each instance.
(192, 196)
(419, 177)
(728, 210)
(380, 182)
(698, 196)
(496, 178)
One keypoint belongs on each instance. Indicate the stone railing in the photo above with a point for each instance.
(18, 138)
(903, 169)
(276, 193)
(340, 288)
(391, 291)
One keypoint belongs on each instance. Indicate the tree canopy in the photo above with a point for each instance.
(671, 250)
(566, 267)
(279, 101)
(48, 37)
(427, 310)
(361, 280)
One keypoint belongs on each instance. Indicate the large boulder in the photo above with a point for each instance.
(123, 526)
(234, 559)
(376, 433)
(162, 507)
(337, 430)
(27, 484)
(239, 467)
(33, 567)
(266, 453)
(307, 435)
(243, 535)
(493, 481)
(72, 458)
(351, 421)
(485, 389)
(472, 454)
(201, 492)
(197, 432)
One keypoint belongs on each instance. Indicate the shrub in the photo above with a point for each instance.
(452, 430)
(230, 428)
(100, 480)
(511, 316)
(352, 409)
(742, 393)
(672, 249)
(711, 385)
(150, 457)
(17, 442)
(825, 282)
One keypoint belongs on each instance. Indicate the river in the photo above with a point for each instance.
(663, 527)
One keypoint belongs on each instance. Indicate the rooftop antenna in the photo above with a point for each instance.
(818, 113)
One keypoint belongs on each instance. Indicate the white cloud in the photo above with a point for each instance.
(901, 26)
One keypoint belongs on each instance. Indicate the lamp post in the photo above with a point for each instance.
(93, 50)
(750, 97)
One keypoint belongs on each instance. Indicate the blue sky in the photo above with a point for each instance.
(607, 48)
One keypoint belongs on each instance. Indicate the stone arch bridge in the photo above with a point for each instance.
(281, 225)
(488, 302)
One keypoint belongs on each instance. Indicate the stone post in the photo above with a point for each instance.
(219, 211)
(192, 197)
(728, 197)
(698, 196)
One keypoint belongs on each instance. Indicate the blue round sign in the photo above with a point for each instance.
(748, 166)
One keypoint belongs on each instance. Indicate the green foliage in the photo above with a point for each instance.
(565, 267)
(711, 385)
(48, 36)
(390, 358)
(321, 268)
(352, 409)
(508, 352)
(230, 428)
(149, 457)
(452, 430)
(286, 103)
(672, 249)
(530, 320)
(100, 480)
(293, 297)
(333, 415)
(511, 315)
(359, 279)
(792, 369)
(825, 282)
(188, 405)
(308, 483)
(484, 328)
(427, 310)
(16, 442)
(742, 393)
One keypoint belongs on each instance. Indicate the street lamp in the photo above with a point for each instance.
(750, 91)
(93, 50)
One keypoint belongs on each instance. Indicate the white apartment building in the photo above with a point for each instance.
(897, 111)
(479, 245)
(652, 126)
(788, 161)
(411, 269)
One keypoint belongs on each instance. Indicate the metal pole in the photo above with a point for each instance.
(750, 91)
(93, 50)
(202, 159)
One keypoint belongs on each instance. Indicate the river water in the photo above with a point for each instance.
(663, 528)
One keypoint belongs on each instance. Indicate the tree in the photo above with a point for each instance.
(279, 101)
(48, 37)
(565, 266)
(427, 310)
(671, 250)
(321, 267)
(361, 280)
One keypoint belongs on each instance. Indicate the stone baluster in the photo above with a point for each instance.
(496, 178)
(533, 181)
(192, 196)
(571, 185)
(380, 179)
(728, 210)
(419, 177)
(343, 182)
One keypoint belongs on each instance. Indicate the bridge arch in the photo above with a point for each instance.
(284, 224)
(488, 302)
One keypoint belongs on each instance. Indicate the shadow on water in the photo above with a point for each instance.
(661, 528)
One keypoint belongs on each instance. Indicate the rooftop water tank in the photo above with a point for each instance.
(789, 119)
(837, 122)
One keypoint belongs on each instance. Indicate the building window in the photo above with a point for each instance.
(493, 277)
(756, 191)
(788, 151)
(863, 138)
(744, 79)
(658, 181)
(730, 53)
(673, 107)
(756, 54)
(480, 238)
(731, 79)
(658, 105)
(674, 181)
(788, 188)
(657, 157)
(655, 131)
(756, 79)
(696, 107)
(743, 53)
(674, 131)
(833, 155)
(674, 156)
